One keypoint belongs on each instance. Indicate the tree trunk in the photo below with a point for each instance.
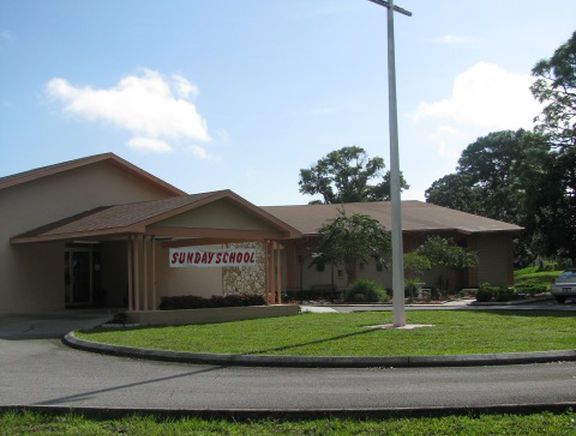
(351, 273)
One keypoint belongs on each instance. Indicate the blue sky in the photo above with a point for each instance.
(213, 94)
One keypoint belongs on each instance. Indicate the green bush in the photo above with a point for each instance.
(541, 280)
(386, 296)
(364, 291)
(487, 292)
(531, 288)
(505, 294)
(329, 293)
(553, 264)
(468, 293)
(194, 302)
(484, 295)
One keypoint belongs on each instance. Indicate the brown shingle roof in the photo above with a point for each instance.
(114, 219)
(417, 216)
(133, 217)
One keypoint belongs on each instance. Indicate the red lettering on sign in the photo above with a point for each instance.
(191, 257)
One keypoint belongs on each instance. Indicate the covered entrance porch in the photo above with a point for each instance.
(118, 255)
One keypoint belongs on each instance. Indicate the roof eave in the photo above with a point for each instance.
(29, 176)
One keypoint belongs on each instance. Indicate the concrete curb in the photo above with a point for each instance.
(511, 303)
(291, 414)
(321, 361)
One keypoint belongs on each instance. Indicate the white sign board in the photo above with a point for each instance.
(198, 257)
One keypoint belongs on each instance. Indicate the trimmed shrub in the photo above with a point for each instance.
(364, 291)
(386, 296)
(194, 302)
(329, 294)
(531, 288)
(505, 294)
(468, 293)
(486, 292)
(484, 295)
(182, 302)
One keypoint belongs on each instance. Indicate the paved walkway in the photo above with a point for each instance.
(451, 305)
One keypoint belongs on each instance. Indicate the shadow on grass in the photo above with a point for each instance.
(332, 339)
(270, 350)
(315, 342)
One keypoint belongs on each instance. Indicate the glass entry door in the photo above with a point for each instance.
(81, 268)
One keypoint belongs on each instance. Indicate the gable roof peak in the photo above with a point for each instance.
(49, 170)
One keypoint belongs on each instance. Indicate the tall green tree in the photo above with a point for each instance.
(555, 87)
(348, 241)
(457, 191)
(554, 205)
(499, 176)
(347, 175)
(527, 178)
(494, 176)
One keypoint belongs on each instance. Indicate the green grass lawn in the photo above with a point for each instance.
(533, 424)
(530, 275)
(339, 334)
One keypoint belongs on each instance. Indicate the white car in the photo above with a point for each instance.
(564, 286)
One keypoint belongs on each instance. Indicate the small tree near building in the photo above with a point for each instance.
(348, 241)
(443, 253)
(436, 252)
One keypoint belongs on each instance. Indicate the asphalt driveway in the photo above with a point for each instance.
(52, 325)
(44, 372)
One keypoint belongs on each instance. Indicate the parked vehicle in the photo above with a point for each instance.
(564, 286)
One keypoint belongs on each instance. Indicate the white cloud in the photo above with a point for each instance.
(486, 96)
(455, 40)
(152, 107)
(446, 139)
(184, 87)
(198, 151)
(149, 144)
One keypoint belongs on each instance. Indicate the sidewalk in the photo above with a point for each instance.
(464, 304)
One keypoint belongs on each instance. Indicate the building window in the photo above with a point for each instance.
(320, 266)
(379, 267)
(361, 267)
(340, 273)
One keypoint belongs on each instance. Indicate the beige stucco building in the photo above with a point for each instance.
(98, 230)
